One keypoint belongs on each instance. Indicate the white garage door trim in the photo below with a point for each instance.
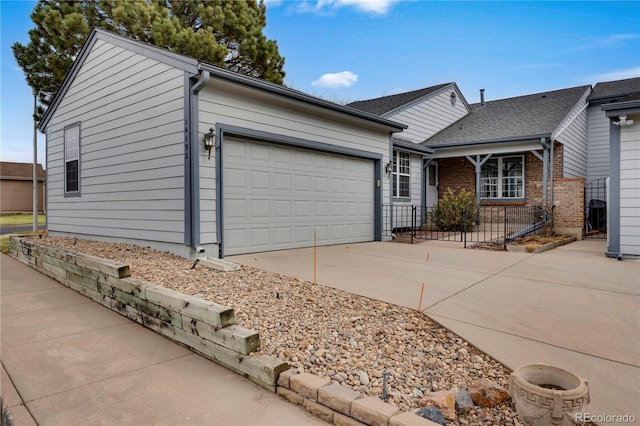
(291, 142)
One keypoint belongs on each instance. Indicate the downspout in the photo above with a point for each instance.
(552, 177)
(545, 170)
(390, 179)
(194, 166)
(426, 161)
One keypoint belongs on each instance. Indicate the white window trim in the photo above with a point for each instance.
(500, 179)
(395, 178)
(68, 158)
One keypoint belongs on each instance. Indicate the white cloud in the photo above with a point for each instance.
(616, 75)
(338, 79)
(378, 7)
(612, 41)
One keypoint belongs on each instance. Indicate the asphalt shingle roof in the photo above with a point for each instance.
(380, 106)
(511, 119)
(610, 90)
(10, 170)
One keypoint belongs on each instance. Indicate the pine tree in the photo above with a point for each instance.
(227, 33)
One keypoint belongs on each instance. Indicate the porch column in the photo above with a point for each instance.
(478, 162)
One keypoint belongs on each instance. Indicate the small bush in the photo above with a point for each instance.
(455, 212)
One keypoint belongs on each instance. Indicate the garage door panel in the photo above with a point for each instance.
(303, 183)
(259, 237)
(337, 208)
(282, 208)
(236, 178)
(302, 209)
(282, 155)
(259, 153)
(283, 181)
(276, 196)
(303, 234)
(236, 208)
(260, 208)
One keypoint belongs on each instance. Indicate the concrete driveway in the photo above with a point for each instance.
(571, 307)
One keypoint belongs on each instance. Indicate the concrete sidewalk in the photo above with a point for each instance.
(571, 307)
(68, 360)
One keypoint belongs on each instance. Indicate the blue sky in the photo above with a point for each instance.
(347, 50)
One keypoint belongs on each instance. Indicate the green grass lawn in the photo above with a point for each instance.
(20, 219)
(4, 245)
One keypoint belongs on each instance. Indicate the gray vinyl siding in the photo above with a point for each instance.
(229, 104)
(429, 116)
(574, 141)
(630, 187)
(598, 136)
(131, 114)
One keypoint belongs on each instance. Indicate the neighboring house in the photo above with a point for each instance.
(506, 151)
(16, 187)
(127, 161)
(413, 176)
(623, 232)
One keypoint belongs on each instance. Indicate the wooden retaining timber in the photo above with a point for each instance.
(205, 327)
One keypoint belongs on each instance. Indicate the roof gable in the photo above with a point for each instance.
(387, 104)
(611, 90)
(159, 54)
(519, 118)
(193, 67)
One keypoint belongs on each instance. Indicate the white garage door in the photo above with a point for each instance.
(276, 196)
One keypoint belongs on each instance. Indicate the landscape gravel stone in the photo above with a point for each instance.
(351, 340)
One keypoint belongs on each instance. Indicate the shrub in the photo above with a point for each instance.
(454, 212)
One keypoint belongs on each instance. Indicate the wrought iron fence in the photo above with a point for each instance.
(483, 225)
(595, 209)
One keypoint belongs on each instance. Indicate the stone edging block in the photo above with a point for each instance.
(338, 398)
(307, 385)
(340, 405)
(373, 411)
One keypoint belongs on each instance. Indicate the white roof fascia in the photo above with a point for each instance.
(507, 147)
(572, 115)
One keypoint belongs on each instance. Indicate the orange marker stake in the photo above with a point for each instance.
(314, 256)
(422, 290)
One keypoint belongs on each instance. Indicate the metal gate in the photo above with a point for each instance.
(595, 209)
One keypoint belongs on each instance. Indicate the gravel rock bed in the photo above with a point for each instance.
(331, 333)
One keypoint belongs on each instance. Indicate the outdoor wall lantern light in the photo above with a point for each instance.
(209, 140)
(387, 169)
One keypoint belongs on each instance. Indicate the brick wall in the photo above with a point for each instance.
(568, 197)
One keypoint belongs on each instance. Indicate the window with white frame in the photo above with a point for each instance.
(503, 177)
(401, 174)
(72, 160)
